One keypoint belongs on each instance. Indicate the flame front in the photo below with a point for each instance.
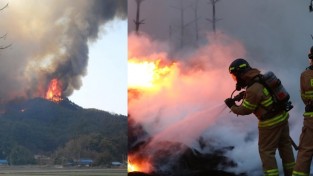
(131, 167)
(138, 165)
(149, 75)
(54, 92)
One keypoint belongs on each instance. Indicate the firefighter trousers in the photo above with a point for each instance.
(305, 152)
(270, 139)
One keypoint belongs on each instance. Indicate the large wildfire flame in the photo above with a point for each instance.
(54, 92)
(149, 74)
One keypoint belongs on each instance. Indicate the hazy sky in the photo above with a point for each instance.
(107, 63)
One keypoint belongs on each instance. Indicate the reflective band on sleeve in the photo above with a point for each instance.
(265, 91)
(272, 172)
(248, 105)
(275, 120)
(295, 173)
(307, 94)
(267, 102)
(308, 114)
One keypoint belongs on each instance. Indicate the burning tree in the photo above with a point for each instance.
(54, 91)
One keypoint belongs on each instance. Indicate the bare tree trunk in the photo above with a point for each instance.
(214, 19)
(182, 27)
(5, 35)
(196, 20)
(138, 22)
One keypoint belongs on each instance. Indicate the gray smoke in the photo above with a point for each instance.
(276, 36)
(50, 40)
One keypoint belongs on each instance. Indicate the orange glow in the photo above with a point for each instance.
(134, 165)
(54, 92)
(149, 74)
(132, 168)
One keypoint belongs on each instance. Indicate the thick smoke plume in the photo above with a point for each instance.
(50, 40)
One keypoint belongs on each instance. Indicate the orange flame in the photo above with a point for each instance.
(149, 75)
(54, 92)
(136, 165)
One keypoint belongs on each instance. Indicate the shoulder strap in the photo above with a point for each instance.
(257, 78)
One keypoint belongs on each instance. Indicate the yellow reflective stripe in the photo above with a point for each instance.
(248, 105)
(307, 94)
(271, 172)
(295, 173)
(274, 120)
(242, 65)
(309, 114)
(265, 91)
(267, 102)
(289, 165)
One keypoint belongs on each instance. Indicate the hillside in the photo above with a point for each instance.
(62, 131)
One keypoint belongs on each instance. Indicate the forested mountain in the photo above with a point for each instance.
(63, 132)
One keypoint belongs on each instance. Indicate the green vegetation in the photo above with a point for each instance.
(62, 133)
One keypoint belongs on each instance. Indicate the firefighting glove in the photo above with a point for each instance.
(229, 102)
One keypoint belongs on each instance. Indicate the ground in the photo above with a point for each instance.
(53, 171)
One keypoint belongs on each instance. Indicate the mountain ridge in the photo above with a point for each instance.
(40, 126)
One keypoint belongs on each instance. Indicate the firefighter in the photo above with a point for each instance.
(273, 126)
(305, 152)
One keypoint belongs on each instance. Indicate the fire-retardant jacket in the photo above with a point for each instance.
(306, 85)
(258, 101)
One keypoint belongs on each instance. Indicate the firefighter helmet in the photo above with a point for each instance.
(236, 69)
(310, 55)
(239, 66)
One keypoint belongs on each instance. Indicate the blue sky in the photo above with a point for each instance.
(105, 85)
